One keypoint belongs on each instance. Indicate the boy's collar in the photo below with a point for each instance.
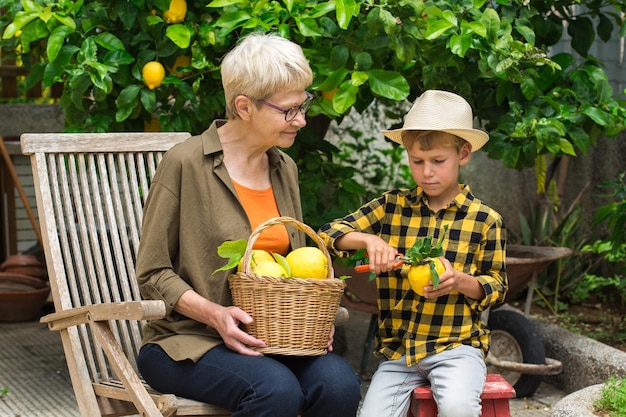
(462, 199)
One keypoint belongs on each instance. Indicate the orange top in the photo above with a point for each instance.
(260, 205)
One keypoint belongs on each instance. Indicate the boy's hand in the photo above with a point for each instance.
(448, 281)
(382, 257)
(453, 281)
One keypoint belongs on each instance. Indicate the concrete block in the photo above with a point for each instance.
(585, 361)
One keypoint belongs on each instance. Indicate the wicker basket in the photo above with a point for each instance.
(292, 316)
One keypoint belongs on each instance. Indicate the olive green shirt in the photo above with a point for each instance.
(193, 208)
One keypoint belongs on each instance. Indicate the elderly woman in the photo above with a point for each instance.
(219, 186)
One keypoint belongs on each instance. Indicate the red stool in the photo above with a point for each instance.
(495, 399)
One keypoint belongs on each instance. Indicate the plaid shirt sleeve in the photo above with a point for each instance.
(474, 243)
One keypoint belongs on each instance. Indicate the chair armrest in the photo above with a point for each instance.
(129, 310)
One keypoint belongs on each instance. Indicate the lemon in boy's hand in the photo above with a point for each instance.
(308, 262)
(420, 275)
(269, 269)
(153, 73)
(257, 256)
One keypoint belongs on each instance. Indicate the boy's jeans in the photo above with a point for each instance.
(456, 376)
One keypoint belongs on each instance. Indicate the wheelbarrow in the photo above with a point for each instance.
(516, 351)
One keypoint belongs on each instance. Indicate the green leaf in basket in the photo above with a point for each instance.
(282, 261)
(233, 251)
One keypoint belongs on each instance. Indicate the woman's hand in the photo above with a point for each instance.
(225, 320)
(227, 325)
(331, 339)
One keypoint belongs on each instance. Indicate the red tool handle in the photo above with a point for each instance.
(366, 267)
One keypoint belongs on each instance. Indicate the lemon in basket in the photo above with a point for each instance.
(256, 257)
(308, 262)
(269, 269)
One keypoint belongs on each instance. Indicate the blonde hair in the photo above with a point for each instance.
(261, 65)
(430, 139)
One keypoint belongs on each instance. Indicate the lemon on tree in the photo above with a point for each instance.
(308, 262)
(177, 11)
(153, 73)
(182, 61)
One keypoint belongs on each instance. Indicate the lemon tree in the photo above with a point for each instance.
(308, 262)
(361, 52)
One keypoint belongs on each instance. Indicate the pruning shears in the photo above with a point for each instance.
(400, 260)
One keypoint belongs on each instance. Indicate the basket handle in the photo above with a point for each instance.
(287, 221)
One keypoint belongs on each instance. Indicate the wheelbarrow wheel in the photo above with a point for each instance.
(514, 339)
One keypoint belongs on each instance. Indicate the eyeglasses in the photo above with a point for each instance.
(292, 112)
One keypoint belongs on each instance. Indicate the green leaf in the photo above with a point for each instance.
(491, 20)
(65, 20)
(527, 33)
(595, 114)
(582, 33)
(308, 27)
(282, 261)
(179, 34)
(118, 57)
(20, 20)
(345, 97)
(352, 186)
(605, 27)
(357, 258)
(333, 80)
(358, 78)
(460, 44)
(388, 84)
(339, 56)
(434, 274)
(232, 250)
(56, 41)
(363, 61)
(223, 3)
(437, 28)
(109, 41)
(127, 13)
(128, 95)
(528, 88)
(344, 10)
(148, 99)
(126, 102)
(566, 147)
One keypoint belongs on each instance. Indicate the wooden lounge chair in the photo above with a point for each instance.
(90, 193)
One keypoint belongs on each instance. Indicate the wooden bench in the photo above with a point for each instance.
(495, 399)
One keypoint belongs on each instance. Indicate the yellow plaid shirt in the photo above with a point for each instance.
(475, 242)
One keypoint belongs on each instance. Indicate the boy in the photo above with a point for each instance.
(438, 339)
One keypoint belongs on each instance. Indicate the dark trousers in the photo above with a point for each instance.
(257, 386)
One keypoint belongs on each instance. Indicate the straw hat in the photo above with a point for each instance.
(442, 111)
